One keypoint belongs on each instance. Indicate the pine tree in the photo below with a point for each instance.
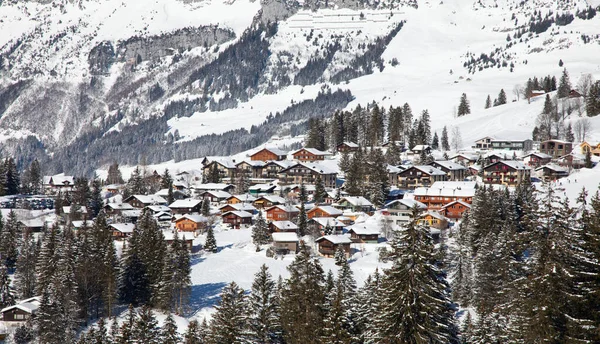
(126, 332)
(488, 102)
(564, 85)
(96, 202)
(320, 193)
(168, 332)
(344, 163)
(205, 207)
(369, 320)
(6, 293)
(355, 174)
(175, 281)
(152, 251)
(592, 101)
(444, 141)
(23, 335)
(463, 107)
(462, 279)
(135, 184)
(134, 285)
(47, 260)
(393, 154)
(302, 297)
(25, 277)
(230, 318)
(302, 221)
(242, 182)
(260, 232)
(336, 323)
(588, 159)
(502, 98)
(145, 329)
(435, 142)
(210, 245)
(377, 187)
(569, 134)
(10, 238)
(263, 305)
(340, 255)
(192, 333)
(416, 307)
(12, 179)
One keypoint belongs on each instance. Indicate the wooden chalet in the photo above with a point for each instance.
(493, 157)
(552, 172)
(586, 147)
(252, 169)
(347, 146)
(328, 244)
(238, 206)
(433, 219)
(267, 154)
(21, 312)
(308, 173)
(237, 219)
(226, 167)
(416, 150)
(285, 242)
(142, 201)
(323, 211)
(417, 176)
(215, 196)
(535, 159)
(283, 226)
(320, 224)
(262, 189)
(268, 201)
(399, 212)
(556, 148)
(465, 159)
(455, 210)
(272, 168)
(186, 206)
(309, 154)
(454, 171)
(359, 233)
(200, 188)
(574, 94)
(282, 212)
(121, 230)
(115, 209)
(58, 183)
(177, 194)
(442, 193)
(510, 173)
(246, 198)
(191, 223)
(355, 204)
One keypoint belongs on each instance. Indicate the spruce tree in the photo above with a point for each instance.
(564, 85)
(210, 245)
(344, 163)
(168, 332)
(6, 293)
(393, 154)
(340, 255)
(25, 277)
(444, 140)
(377, 187)
(10, 239)
(230, 319)
(462, 282)
(145, 329)
(501, 98)
(96, 202)
(435, 142)
(302, 221)
(263, 306)
(463, 107)
(260, 232)
(134, 284)
(175, 284)
(488, 102)
(191, 335)
(320, 193)
(588, 160)
(205, 207)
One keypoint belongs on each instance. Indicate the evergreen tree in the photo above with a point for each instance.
(462, 282)
(355, 174)
(501, 98)
(463, 107)
(135, 185)
(96, 202)
(260, 232)
(47, 260)
(592, 101)
(263, 305)
(376, 126)
(302, 298)
(408, 118)
(303, 196)
(340, 255)
(377, 187)
(192, 335)
(25, 277)
(336, 322)
(166, 182)
(320, 193)
(393, 154)
(169, 334)
(302, 221)
(205, 207)
(176, 282)
(32, 179)
(23, 335)
(134, 285)
(11, 177)
(588, 159)
(424, 121)
(230, 319)
(444, 140)
(569, 134)
(344, 163)
(488, 102)
(145, 329)
(435, 142)
(114, 174)
(6, 293)
(467, 330)
(242, 182)
(10, 238)
(564, 85)
(416, 307)
(210, 245)
(126, 332)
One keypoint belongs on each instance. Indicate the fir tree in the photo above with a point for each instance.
(6, 293)
(564, 85)
(10, 238)
(588, 159)
(355, 174)
(340, 255)
(463, 107)
(569, 134)
(444, 140)
(344, 163)
(488, 102)
(435, 142)
(462, 280)
(468, 330)
(168, 332)
(205, 207)
(23, 335)
(96, 202)
(260, 232)
(126, 332)
(501, 98)
(302, 221)
(377, 187)
(175, 281)
(145, 329)
(192, 335)
(320, 193)
(263, 305)
(166, 182)
(230, 318)
(11, 178)
(242, 182)
(25, 277)
(134, 285)
(210, 245)
(392, 155)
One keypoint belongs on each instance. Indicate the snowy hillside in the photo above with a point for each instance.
(177, 72)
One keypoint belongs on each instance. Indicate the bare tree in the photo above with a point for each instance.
(517, 91)
(456, 138)
(581, 128)
(584, 83)
(578, 106)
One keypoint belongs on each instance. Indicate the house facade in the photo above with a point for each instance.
(323, 211)
(535, 160)
(399, 212)
(442, 193)
(309, 154)
(267, 154)
(556, 148)
(455, 210)
(191, 223)
(282, 213)
(308, 173)
(237, 219)
(417, 176)
(454, 171)
(328, 244)
(510, 173)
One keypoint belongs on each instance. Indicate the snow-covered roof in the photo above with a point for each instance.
(517, 165)
(287, 209)
(239, 213)
(123, 227)
(312, 151)
(240, 206)
(59, 179)
(262, 187)
(285, 225)
(284, 237)
(132, 213)
(393, 169)
(120, 206)
(419, 148)
(219, 194)
(553, 167)
(457, 202)
(159, 208)
(328, 209)
(273, 150)
(434, 214)
(408, 202)
(429, 170)
(273, 198)
(356, 201)
(165, 192)
(281, 163)
(471, 157)
(321, 167)
(336, 239)
(185, 203)
(148, 199)
(450, 165)
(328, 221)
(447, 189)
(362, 229)
(194, 218)
(28, 307)
(349, 144)
(539, 155)
(253, 163)
(226, 162)
(67, 210)
(33, 223)
(244, 198)
(212, 186)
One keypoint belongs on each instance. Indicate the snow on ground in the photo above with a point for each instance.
(571, 186)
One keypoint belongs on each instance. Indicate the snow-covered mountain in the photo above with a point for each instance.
(88, 82)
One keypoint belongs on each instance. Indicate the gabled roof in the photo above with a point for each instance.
(328, 221)
(158, 208)
(457, 202)
(420, 147)
(470, 157)
(539, 155)
(281, 163)
(393, 169)
(362, 229)
(243, 198)
(430, 170)
(553, 167)
(59, 179)
(349, 144)
(262, 187)
(433, 214)
(225, 162)
(253, 163)
(132, 213)
(328, 209)
(218, 194)
(272, 199)
(213, 186)
(273, 150)
(284, 237)
(67, 210)
(356, 201)
(285, 225)
(313, 151)
(165, 192)
(408, 202)
(123, 227)
(186, 203)
(240, 206)
(238, 213)
(450, 165)
(335, 239)
(448, 189)
(517, 165)
(147, 199)
(193, 218)
(287, 209)
(120, 206)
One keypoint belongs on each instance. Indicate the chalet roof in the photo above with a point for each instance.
(28, 307)
(450, 165)
(239, 213)
(273, 150)
(132, 213)
(419, 148)
(253, 163)
(284, 237)
(557, 141)
(486, 137)
(33, 223)
(517, 165)
(281, 163)
(212, 187)
(433, 214)
(225, 162)
(185, 203)
(335, 239)
(162, 214)
(457, 202)
(325, 221)
(362, 229)
(59, 179)
(123, 227)
(273, 198)
(328, 209)
(470, 157)
(147, 199)
(285, 225)
(120, 206)
(218, 194)
(193, 218)
(349, 144)
(244, 198)
(240, 206)
(159, 208)
(356, 201)
(539, 155)
(408, 202)
(165, 192)
(553, 167)
(448, 189)
(313, 151)
(262, 187)
(287, 209)
(393, 169)
(430, 170)
(67, 210)
(320, 167)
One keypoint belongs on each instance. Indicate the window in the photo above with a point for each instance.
(19, 316)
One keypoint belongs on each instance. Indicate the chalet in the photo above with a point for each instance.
(328, 244)
(282, 212)
(551, 172)
(271, 169)
(493, 157)
(321, 223)
(433, 219)
(200, 188)
(114, 189)
(32, 226)
(252, 169)
(323, 211)
(574, 94)
(186, 206)
(268, 201)
(345, 220)
(285, 242)
(556, 148)
(393, 174)
(536, 93)
(75, 214)
(308, 173)
(163, 218)
(267, 154)
(355, 204)
(142, 201)
(586, 147)
(455, 210)
(416, 176)
(535, 160)
(156, 209)
(215, 196)
(513, 145)
(131, 215)
(294, 190)
(261, 189)
(226, 168)
(21, 312)
(282, 226)
(191, 223)
(238, 206)
(400, 211)
(360, 233)
(309, 154)
(121, 230)
(442, 193)
(575, 161)
(237, 219)
(474, 170)
(246, 198)
(453, 170)
(484, 143)
(416, 150)
(181, 185)
(115, 209)
(177, 194)
(58, 183)
(465, 159)
(510, 173)
(347, 146)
